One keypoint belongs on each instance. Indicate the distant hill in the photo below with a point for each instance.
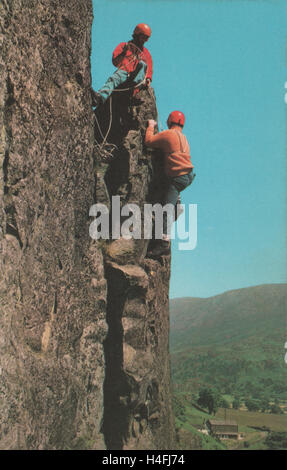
(233, 341)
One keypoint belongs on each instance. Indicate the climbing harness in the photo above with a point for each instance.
(104, 149)
(131, 87)
(135, 56)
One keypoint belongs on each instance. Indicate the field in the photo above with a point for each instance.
(248, 418)
(252, 439)
(253, 427)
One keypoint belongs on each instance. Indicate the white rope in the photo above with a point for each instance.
(130, 88)
(134, 57)
(99, 127)
(141, 83)
(106, 149)
(111, 119)
(159, 121)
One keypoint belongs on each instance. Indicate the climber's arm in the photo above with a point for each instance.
(155, 141)
(149, 63)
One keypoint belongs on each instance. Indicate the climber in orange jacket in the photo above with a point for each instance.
(177, 165)
(132, 60)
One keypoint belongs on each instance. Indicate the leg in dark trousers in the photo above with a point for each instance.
(174, 188)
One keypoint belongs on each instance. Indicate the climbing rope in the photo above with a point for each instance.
(105, 149)
(158, 118)
(131, 87)
(137, 55)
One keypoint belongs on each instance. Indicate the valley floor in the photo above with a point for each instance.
(253, 427)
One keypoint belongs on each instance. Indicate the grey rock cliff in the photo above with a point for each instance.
(84, 357)
(137, 393)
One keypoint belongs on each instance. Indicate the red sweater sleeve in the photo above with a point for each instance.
(149, 64)
(117, 52)
(156, 141)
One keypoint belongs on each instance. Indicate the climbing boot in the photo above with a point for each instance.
(161, 248)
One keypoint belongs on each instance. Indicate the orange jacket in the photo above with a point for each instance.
(175, 148)
(131, 58)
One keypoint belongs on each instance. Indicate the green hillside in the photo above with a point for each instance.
(233, 342)
(258, 431)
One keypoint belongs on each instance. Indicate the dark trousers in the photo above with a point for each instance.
(173, 189)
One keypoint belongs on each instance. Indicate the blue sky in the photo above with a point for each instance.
(223, 63)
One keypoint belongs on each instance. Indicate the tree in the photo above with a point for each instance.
(209, 399)
(223, 403)
(264, 404)
(276, 409)
(251, 405)
(276, 440)
(236, 404)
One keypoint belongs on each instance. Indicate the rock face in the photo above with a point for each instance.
(137, 397)
(84, 359)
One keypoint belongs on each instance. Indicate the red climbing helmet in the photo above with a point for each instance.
(176, 117)
(142, 28)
